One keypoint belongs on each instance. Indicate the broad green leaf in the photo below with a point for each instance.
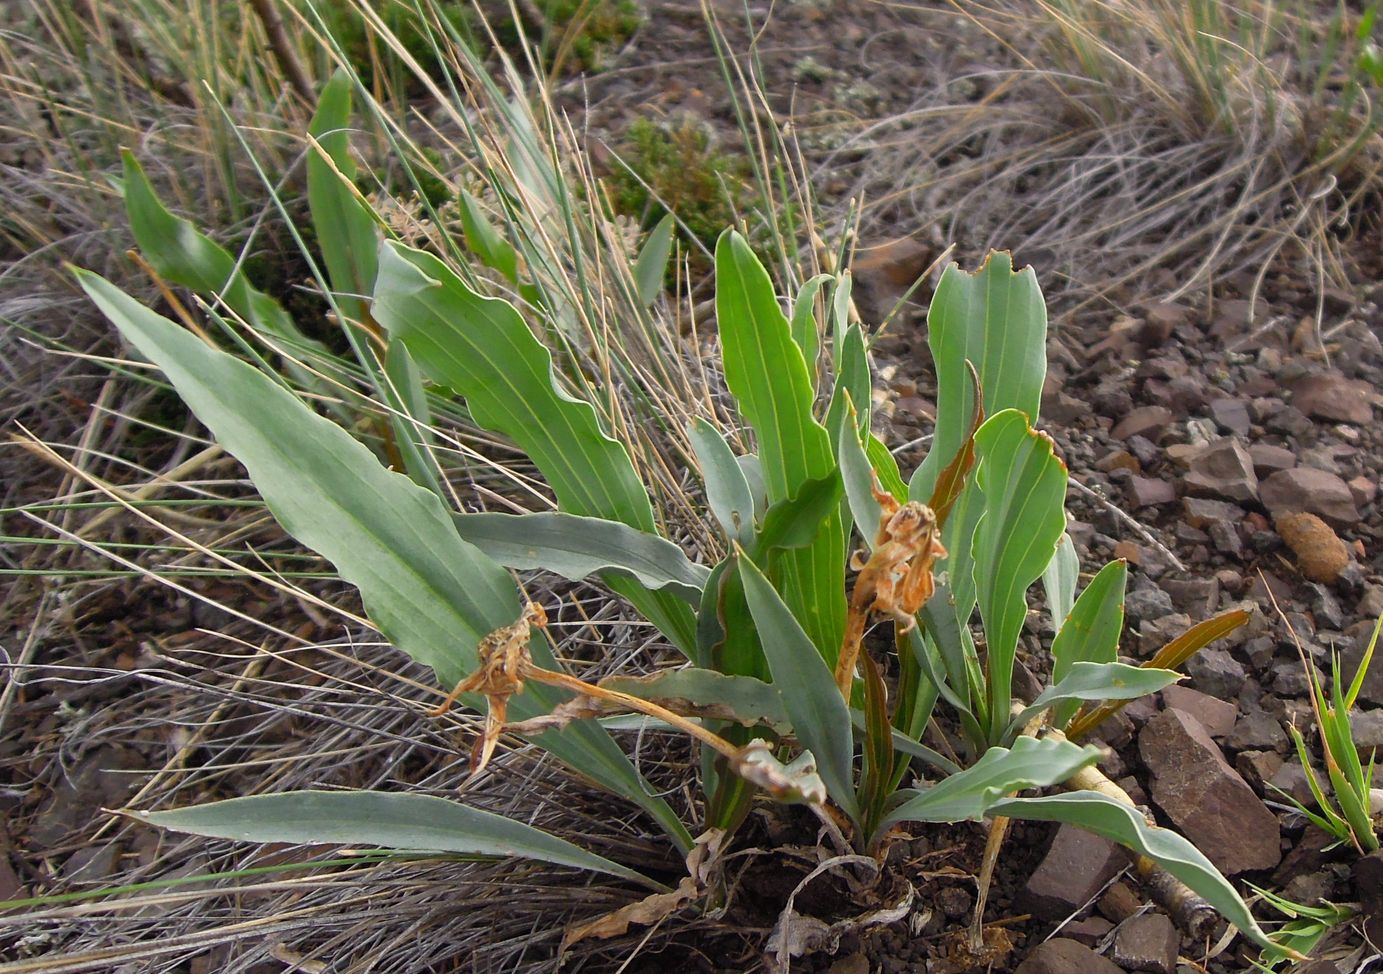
(727, 491)
(753, 472)
(407, 822)
(955, 476)
(650, 267)
(577, 547)
(886, 466)
(413, 424)
(481, 348)
(769, 378)
(852, 386)
(1124, 824)
(820, 718)
(1090, 630)
(796, 523)
(806, 332)
(1024, 489)
(1096, 681)
(1059, 581)
(185, 256)
(996, 319)
(485, 241)
(430, 593)
(857, 473)
(346, 230)
(972, 794)
(750, 701)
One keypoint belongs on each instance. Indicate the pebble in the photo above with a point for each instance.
(1075, 868)
(1223, 469)
(1147, 942)
(1329, 395)
(1310, 491)
(1065, 956)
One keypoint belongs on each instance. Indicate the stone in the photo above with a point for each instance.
(1149, 602)
(1367, 873)
(1363, 489)
(1216, 672)
(1321, 555)
(1215, 715)
(885, 271)
(1207, 799)
(1145, 421)
(1227, 540)
(1352, 655)
(1366, 729)
(856, 963)
(1289, 421)
(1268, 460)
(1310, 491)
(1119, 902)
(1258, 768)
(1153, 634)
(1065, 956)
(1088, 930)
(1147, 942)
(1291, 779)
(1195, 596)
(1329, 395)
(1231, 416)
(1223, 469)
(1149, 491)
(1258, 731)
(1071, 874)
(1201, 512)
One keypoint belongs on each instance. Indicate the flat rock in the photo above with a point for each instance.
(1216, 672)
(1310, 491)
(1367, 873)
(1072, 872)
(1206, 798)
(1149, 491)
(1366, 729)
(1258, 730)
(1231, 416)
(1088, 930)
(1223, 469)
(1329, 395)
(1202, 512)
(1268, 460)
(1215, 715)
(1145, 421)
(1063, 956)
(1147, 942)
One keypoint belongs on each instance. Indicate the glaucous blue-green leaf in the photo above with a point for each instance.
(1090, 630)
(819, 715)
(1124, 824)
(727, 491)
(577, 547)
(1030, 763)
(796, 522)
(1097, 681)
(1059, 581)
(1023, 484)
(744, 699)
(806, 332)
(402, 821)
(996, 319)
(650, 266)
(482, 348)
(769, 378)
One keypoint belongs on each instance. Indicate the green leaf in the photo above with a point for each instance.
(751, 701)
(796, 523)
(185, 256)
(407, 822)
(1024, 489)
(1091, 629)
(1124, 824)
(727, 491)
(430, 593)
(886, 466)
(413, 421)
(576, 547)
(485, 241)
(819, 716)
(972, 794)
(1059, 581)
(482, 348)
(650, 267)
(1097, 681)
(806, 333)
(858, 476)
(769, 378)
(852, 386)
(346, 230)
(995, 319)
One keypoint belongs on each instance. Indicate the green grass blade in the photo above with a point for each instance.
(1024, 489)
(1124, 824)
(819, 715)
(407, 822)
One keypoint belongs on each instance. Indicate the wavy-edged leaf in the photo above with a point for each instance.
(1097, 681)
(185, 256)
(1024, 489)
(650, 267)
(769, 378)
(972, 794)
(1059, 581)
(1125, 825)
(750, 701)
(483, 240)
(481, 348)
(1090, 632)
(432, 594)
(796, 523)
(727, 491)
(820, 718)
(577, 547)
(407, 822)
(996, 319)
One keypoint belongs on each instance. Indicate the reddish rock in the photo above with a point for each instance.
(1364, 491)
(1329, 395)
(1223, 469)
(1310, 491)
(1147, 942)
(1206, 799)
(1268, 460)
(1201, 512)
(1089, 930)
(1148, 491)
(1062, 956)
(1074, 869)
(1144, 421)
(1231, 415)
(1215, 715)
